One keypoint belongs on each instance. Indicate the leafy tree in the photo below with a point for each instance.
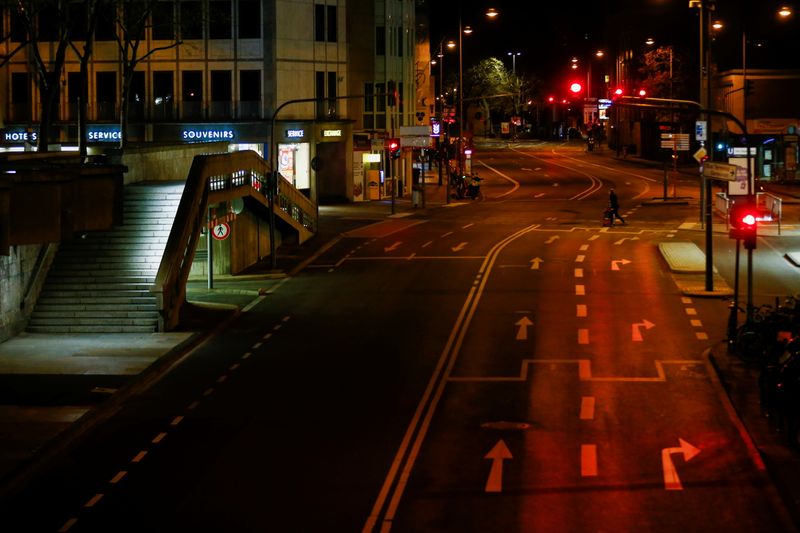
(662, 73)
(498, 91)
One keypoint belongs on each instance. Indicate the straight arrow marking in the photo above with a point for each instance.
(522, 332)
(500, 452)
(459, 247)
(535, 262)
(393, 247)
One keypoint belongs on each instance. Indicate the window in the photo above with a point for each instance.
(136, 96)
(163, 91)
(20, 96)
(191, 94)
(106, 95)
(380, 41)
(106, 22)
(325, 27)
(48, 25)
(380, 88)
(400, 46)
(369, 97)
(163, 17)
(219, 20)
(191, 20)
(221, 94)
(250, 94)
(249, 19)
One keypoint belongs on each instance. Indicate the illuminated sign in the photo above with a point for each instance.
(206, 135)
(331, 133)
(104, 133)
(436, 129)
(20, 136)
(295, 134)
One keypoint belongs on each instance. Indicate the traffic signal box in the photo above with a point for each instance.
(744, 223)
(393, 146)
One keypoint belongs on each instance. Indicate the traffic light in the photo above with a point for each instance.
(575, 88)
(618, 92)
(393, 145)
(744, 223)
(642, 93)
(749, 87)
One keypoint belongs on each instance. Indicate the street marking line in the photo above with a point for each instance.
(276, 327)
(594, 237)
(209, 391)
(246, 355)
(395, 482)
(177, 420)
(584, 372)
(158, 438)
(580, 259)
(427, 244)
(68, 525)
(578, 272)
(93, 500)
(222, 378)
(287, 318)
(686, 300)
(583, 247)
(116, 479)
(267, 336)
(702, 336)
(588, 460)
(234, 366)
(581, 310)
(583, 336)
(587, 408)
(580, 290)
(256, 346)
(691, 311)
(697, 323)
(138, 457)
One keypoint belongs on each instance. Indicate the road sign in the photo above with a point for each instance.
(700, 155)
(700, 128)
(719, 171)
(675, 141)
(221, 231)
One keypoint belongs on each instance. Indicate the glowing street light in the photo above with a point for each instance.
(785, 11)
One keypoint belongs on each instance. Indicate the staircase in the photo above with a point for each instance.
(101, 283)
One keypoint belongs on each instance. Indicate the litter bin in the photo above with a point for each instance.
(416, 195)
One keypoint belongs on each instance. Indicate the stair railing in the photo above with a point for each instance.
(211, 173)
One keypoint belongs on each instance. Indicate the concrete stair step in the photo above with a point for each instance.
(100, 289)
(93, 307)
(85, 280)
(92, 321)
(111, 300)
(90, 329)
(100, 273)
(96, 315)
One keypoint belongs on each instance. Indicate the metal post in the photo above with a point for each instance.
(733, 318)
(210, 249)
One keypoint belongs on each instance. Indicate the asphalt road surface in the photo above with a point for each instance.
(505, 364)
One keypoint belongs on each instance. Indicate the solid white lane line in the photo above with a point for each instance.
(587, 408)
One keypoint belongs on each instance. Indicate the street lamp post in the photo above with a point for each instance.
(514, 61)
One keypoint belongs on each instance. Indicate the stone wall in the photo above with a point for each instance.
(16, 271)
(165, 163)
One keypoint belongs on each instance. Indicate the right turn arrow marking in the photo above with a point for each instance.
(671, 479)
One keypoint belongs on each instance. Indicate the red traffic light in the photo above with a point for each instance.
(618, 92)
(744, 223)
(551, 99)
(575, 87)
(393, 146)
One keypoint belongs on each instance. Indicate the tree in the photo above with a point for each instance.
(89, 17)
(499, 92)
(132, 19)
(46, 20)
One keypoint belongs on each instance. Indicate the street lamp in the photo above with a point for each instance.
(514, 61)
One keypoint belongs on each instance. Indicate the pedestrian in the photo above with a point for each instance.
(613, 204)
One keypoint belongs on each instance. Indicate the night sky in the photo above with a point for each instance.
(549, 34)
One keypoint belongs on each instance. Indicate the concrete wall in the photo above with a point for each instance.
(16, 271)
(165, 163)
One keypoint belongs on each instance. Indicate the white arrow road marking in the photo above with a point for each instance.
(616, 263)
(393, 247)
(459, 247)
(636, 332)
(498, 454)
(524, 323)
(535, 262)
(552, 239)
(627, 239)
(539, 195)
(671, 479)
